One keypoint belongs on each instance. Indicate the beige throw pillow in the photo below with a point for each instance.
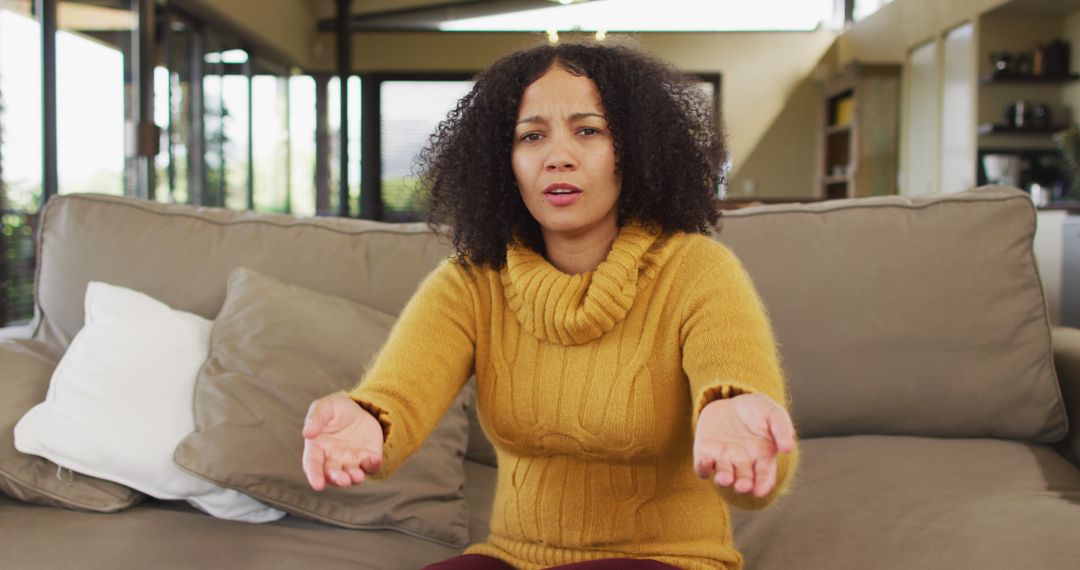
(26, 366)
(276, 347)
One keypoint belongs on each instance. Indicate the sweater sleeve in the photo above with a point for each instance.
(729, 349)
(424, 364)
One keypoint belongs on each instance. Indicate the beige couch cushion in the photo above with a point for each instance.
(894, 315)
(174, 536)
(274, 349)
(183, 255)
(26, 366)
(888, 502)
(899, 315)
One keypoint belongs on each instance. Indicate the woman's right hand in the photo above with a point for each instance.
(342, 442)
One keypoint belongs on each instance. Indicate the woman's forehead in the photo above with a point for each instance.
(562, 92)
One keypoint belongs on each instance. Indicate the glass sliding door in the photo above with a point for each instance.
(214, 115)
(234, 127)
(302, 145)
(96, 93)
(20, 157)
(409, 112)
(172, 107)
(270, 142)
(353, 133)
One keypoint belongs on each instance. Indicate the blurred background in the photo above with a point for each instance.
(319, 107)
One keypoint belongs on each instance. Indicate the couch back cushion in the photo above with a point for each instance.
(896, 315)
(183, 255)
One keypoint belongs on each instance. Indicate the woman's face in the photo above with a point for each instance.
(563, 156)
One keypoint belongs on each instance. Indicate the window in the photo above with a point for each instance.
(302, 145)
(334, 119)
(270, 142)
(409, 112)
(864, 8)
(20, 158)
(93, 47)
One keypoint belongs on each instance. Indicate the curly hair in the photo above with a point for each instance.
(668, 147)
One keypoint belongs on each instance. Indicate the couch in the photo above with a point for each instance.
(938, 409)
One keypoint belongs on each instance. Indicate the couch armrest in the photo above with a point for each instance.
(17, 331)
(1066, 342)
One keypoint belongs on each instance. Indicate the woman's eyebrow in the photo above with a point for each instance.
(574, 117)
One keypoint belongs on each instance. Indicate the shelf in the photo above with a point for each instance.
(1072, 207)
(995, 129)
(829, 180)
(835, 129)
(991, 79)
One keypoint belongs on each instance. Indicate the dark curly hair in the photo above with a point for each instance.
(668, 147)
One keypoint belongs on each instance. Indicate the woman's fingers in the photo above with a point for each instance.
(764, 475)
(335, 473)
(313, 460)
(319, 414)
(371, 463)
(346, 467)
(744, 475)
(356, 474)
(704, 466)
(725, 473)
(782, 430)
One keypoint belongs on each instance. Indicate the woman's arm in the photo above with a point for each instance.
(729, 353)
(423, 365)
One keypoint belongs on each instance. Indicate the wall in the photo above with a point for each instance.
(889, 33)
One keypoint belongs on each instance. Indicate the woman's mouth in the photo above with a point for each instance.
(562, 194)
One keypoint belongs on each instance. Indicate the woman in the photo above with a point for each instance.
(626, 371)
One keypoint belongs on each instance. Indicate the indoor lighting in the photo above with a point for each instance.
(553, 36)
(227, 56)
(642, 16)
(600, 35)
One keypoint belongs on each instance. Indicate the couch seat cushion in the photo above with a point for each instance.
(908, 502)
(146, 537)
(176, 536)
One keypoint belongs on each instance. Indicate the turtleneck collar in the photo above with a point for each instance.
(574, 309)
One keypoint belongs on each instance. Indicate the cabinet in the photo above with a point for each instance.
(858, 132)
(1014, 30)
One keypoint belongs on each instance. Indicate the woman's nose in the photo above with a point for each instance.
(561, 157)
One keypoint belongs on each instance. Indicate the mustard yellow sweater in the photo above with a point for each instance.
(589, 386)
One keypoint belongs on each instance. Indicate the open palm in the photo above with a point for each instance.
(342, 442)
(737, 442)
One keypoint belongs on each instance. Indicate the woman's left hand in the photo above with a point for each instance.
(737, 442)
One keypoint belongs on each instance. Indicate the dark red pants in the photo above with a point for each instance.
(480, 562)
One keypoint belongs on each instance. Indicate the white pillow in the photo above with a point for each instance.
(120, 401)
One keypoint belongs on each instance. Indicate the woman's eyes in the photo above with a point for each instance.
(535, 136)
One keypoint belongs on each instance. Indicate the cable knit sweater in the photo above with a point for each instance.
(589, 386)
